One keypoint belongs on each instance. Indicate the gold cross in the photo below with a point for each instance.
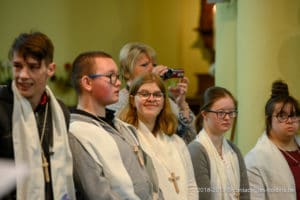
(45, 165)
(139, 155)
(237, 195)
(174, 179)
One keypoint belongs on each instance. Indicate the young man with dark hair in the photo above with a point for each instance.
(34, 124)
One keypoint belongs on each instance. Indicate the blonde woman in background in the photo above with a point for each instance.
(138, 58)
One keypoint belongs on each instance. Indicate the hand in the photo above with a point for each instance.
(160, 70)
(179, 92)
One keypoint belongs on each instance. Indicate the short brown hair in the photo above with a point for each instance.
(84, 65)
(34, 44)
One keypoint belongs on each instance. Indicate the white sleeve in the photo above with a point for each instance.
(257, 187)
(192, 185)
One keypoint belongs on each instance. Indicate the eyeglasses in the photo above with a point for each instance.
(222, 114)
(113, 77)
(283, 117)
(146, 95)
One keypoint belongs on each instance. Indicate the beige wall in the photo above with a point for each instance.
(257, 43)
(76, 26)
(253, 47)
(73, 26)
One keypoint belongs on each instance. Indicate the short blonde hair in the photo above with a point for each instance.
(130, 53)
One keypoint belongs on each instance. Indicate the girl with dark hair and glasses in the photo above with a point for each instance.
(219, 167)
(274, 163)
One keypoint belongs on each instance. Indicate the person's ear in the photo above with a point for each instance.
(203, 113)
(51, 69)
(86, 83)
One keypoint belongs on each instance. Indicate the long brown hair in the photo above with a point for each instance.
(166, 121)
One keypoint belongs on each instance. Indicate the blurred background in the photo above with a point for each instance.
(243, 45)
(169, 26)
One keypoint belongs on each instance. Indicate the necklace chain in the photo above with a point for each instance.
(291, 157)
(219, 153)
(45, 163)
(130, 140)
(44, 124)
(232, 181)
(173, 178)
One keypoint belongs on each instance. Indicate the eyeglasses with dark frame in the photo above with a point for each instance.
(113, 77)
(222, 114)
(146, 95)
(283, 117)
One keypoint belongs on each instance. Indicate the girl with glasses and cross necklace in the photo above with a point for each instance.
(149, 111)
(274, 163)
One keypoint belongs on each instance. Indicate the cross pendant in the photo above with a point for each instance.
(174, 179)
(237, 195)
(139, 155)
(45, 165)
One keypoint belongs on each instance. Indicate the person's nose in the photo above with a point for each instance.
(24, 73)
(227, 117)
(150, 67)
(118, 83)
(151, 98)
(289, 120)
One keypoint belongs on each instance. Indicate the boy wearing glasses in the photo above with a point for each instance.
(108, 160)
